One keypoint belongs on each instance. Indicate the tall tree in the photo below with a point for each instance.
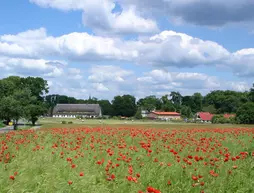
(106, 107)
(176, 98)
(38, 86)
(251, 94)
(124, 105)
(18, 94)
(149, 103)
(167, 105)
(13, 107)
(245, 114)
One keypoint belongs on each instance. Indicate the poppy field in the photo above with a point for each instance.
(127, 160)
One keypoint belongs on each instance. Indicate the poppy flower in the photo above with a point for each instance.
(70, 182)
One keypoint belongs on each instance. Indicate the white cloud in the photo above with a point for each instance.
(108, 73)
(31, 66)
(100, 87)
(165, 80)
(98, 14)
(167, 48)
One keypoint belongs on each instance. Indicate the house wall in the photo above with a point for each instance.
(169, 117)
(165, 117)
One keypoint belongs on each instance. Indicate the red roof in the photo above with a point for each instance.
(167, 113)
(227, 116)
(205, 116)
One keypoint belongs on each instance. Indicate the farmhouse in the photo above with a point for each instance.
(164, 115)
(204, 116)
(74, 110)
(207, 117)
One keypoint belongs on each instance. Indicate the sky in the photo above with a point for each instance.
(105, 48)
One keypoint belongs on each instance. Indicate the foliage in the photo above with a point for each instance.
(245, 114)
(106, 107)
(22, 97)
(124, 105)
(210, 108)
(186, 112)
(220, 119)
(251, 94)
(138, 114)
(149, 103)
(226, 101)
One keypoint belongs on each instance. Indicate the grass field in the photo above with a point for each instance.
(56, 123)
(119, 157)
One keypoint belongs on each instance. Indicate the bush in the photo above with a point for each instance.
(70, 122)
(63, 122)
(220, 119)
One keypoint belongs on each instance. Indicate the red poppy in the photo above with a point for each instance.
(70, 182)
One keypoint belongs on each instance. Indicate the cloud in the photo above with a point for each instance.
(98, 15)
(184, 82)
(107, 73)
(165, 49)
(204, 13)
(31, 66)
(165, 80)
(100, 87)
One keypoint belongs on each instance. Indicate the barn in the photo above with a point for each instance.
(75, 110)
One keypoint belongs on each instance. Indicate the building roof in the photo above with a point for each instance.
(205, 116)
(87, 109)
(166, 113)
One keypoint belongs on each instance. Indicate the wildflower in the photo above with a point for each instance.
(70, 182)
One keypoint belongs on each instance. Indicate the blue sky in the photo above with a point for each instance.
(140, 47)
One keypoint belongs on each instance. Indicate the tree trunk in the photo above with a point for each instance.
(15, 124)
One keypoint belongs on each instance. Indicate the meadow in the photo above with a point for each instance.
(127, 158)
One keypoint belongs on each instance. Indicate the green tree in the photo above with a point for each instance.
(18, 94)
(37, 85)
(33, 111)
(186, 112)
(106, 107)
(149, 103)
(13, 107)
(176, 98)
(210, 108)
(251, 93)
(124, 105)
(138, 114)
(245, 114)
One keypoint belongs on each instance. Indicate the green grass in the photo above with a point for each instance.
(56, 123)
(42, 159)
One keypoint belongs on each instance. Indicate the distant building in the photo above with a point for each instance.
(164, 115)
(207, 117)
(144, 113)
(74, 110)
(204, 116)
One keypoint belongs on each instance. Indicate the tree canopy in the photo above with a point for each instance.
(22, 98)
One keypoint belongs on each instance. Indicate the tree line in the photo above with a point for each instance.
(27, 97)
(215, 102)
